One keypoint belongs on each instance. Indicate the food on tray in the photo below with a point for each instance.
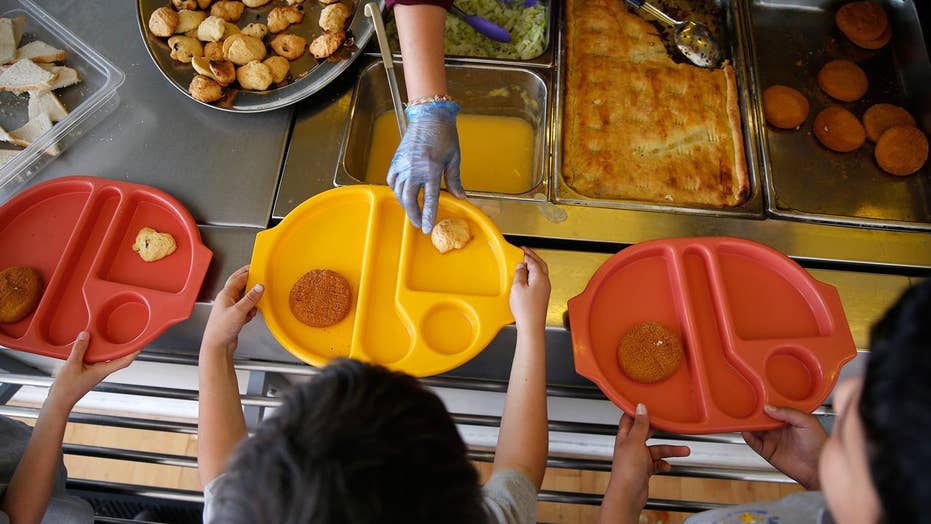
(255, 76)
(880, 117)
(320, 298)
(334, 16)
(205, 89)
(843, 80)
(211, 29)
(497, 152)
(451, 233)
(163, 22)
(784, 107)
(185, 48)
(227, 10)
(153, 245)
(902, 150)
(40, 52)
(255, 3)
(326, 44)
(256, 30)
(46, 102)
(20, 291)
(865, 23)
(838, 129)
(280, 18)
(188, 20)
(8, 41)
(650, 352)
(25, 75)
(187, 4)
(222, 71)
(279, 68)
(289, 46)
(637, 125)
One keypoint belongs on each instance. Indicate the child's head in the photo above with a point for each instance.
(875, 465)
(356, 444)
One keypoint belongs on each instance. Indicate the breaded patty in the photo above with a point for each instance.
(650, 352)
(321, 298)
(20, 291)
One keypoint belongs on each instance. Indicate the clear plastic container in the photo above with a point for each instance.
(88, 102)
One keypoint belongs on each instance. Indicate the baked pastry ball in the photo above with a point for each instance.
(320, 298)
(255, 3)
(450, 233)
(279, 66)
(289, 46)
(333, 17)
(184, 4)
(20, 291)
(650, 352)
(280, 18)
(227, 10)
(163, 22)
(153, 245)
(902, 150)
(211, 29)
(843, 80)
(838, 129)
(223, 71)
(214, 51)
(188, 20)
(784, 107)
(326, 44)
(184, 48)
(862, 20)
(205, 89)
(241, 49)
(255, 76)
(255, 29)
(880, 117)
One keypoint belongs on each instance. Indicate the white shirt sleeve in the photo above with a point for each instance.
(510, 498)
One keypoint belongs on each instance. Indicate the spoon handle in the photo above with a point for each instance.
(654, 11)
(483, 26)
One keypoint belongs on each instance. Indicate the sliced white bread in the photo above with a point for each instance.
(31, 132)
(24, 75)
(4, 136)
(19, 25)
(7, 154)
(46, 102)
(64, 75)
(39, 51)
(7, 41)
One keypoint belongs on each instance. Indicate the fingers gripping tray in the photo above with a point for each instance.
(413, 309)
(78, 232)
(755, 328)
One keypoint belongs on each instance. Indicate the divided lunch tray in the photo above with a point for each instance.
(79, 232)
(413, 309)
(756, 328)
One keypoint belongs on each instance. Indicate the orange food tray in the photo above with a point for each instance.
(79, 232)
(413, 309)
(755, 326)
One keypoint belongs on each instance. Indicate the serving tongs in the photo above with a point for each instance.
(372, 11)
(693, 38)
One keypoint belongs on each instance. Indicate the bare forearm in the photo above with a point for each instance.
(27, 496)
(221, 425)
(523, 441)
(420, 31)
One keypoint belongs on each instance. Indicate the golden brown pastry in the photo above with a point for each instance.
(784, 107)
(650, 352)
(289, 46)
(184, 4)
(256, 30)
(320, 298)
(333, 17)
(279, 66)
(230, 11)
(211, 29)
(862, 20)
(204, 4)
(451, 233)
(163, 22)
(280, 18)
(255, 3)
(153, 245)
(241, 49)
(838, 129)
(902, 150)
(880, 117)
(326, 44)
(20, 291)
(214, 51)
(188, 20)
(184, 48)
(223, 71)
(843, 80)
(255, 76)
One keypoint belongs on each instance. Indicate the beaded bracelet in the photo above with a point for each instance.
(428, 99)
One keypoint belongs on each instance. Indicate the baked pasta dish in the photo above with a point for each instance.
(637, 125)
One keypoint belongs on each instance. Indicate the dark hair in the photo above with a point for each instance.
(356, 444)
(895, 407)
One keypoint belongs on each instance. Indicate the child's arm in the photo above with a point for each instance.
(634, 463)
(27, 496)
(221, 425)
(523, 441)
(793, 449)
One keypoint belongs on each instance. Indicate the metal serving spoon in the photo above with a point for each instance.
(491, 30)
(692, 38)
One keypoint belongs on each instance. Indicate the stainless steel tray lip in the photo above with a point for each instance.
(316, 78)
(342, 177)
(753, 207)
(835, 220)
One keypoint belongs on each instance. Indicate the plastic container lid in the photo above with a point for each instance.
(756, 328)
(413, 309)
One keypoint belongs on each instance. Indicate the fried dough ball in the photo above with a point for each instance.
(211, 29)
(280, 18)
(902, 150)
(241, 49)
(184, 4)
(843, 80)
(223, 71)
(255, 76)
(650, 352)
(188, 20)
(326, 44)
(880, 117)
(450, 234)
(255, 3)
(863, 20)
(184, 48)
(205, 89)
(229, 30)
(163, 22)
(784, 107)
(152, 245)
(214, 51)
(230, 11)
(289, 46)
(838, 129)
(320, 298)
(256, 30)
(20, 291)
(204, 4)
(333, 17)
(279, 67)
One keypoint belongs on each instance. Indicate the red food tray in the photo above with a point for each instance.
(756, 328)
(79, 232)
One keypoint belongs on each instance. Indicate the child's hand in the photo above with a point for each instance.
(793, 449)
(530, 293)
(231, 311)
(76, 378)
(634, 463)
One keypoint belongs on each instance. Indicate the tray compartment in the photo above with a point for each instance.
(792, 373)
(122, 319)
(449, 327)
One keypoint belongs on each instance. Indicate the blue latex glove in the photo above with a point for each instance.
(428, 149)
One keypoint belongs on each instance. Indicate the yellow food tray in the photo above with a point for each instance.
(413, 309)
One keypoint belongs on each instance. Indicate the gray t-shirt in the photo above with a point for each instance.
(508, 497)
(807, 507)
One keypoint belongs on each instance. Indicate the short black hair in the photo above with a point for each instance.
(356, 444)
(895, 407)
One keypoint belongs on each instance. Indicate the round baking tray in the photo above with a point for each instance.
(316, 75)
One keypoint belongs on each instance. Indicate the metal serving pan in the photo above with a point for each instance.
(729, 20)
(484, 90)
(310, 76)
(806, 181)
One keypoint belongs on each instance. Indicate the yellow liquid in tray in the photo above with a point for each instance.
(497, 152)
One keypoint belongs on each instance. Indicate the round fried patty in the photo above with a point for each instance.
(320, 298)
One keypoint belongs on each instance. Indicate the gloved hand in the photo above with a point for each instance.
(429, 148)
